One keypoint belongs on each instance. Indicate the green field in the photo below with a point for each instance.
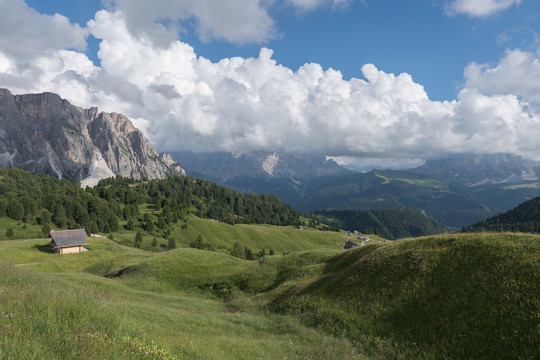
(281, 239)
(443, 297)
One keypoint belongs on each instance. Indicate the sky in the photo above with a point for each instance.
(369, 82)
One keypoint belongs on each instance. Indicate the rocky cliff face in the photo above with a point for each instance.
(44, 133)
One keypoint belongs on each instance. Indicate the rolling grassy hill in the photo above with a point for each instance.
(223, 236)
(72, 311)
(446, 297)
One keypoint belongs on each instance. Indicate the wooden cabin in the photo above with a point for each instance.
(68, 241)
(350, 244)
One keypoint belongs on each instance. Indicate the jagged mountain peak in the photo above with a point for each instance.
(45, 133)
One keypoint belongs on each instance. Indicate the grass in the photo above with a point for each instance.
(442, 297)
(256, 237)
(20, 229)
(157, 303)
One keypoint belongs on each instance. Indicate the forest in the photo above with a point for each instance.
(389, 223)
(42, 199)
(523, 218)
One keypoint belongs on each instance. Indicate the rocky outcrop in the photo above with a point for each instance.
(45, 133)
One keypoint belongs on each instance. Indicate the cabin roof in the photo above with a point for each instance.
(65, 238)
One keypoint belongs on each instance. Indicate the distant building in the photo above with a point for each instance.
(68, 241)
(299, 227)
(364, 238)
(350, 244)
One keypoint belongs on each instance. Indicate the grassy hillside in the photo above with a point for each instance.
(223, 236)
(73, 312)
(445, 297)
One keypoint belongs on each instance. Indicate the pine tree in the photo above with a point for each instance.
(172, 244)
(45, 217)
(148, 223)
(138, 240)
(130, 224)
(15, 210)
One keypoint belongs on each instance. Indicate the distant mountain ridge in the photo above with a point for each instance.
(456, 191)
(45, 133)
(288, 176)
(474, 170)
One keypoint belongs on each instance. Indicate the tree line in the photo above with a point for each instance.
(52, 202)
(389, 223)
(524, 218)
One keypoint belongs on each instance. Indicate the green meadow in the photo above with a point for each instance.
(457, 296)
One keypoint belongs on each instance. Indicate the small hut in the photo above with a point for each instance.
(68, 241)
(350, 244)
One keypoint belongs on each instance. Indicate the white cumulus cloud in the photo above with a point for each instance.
(186, 102)
(479, 8)
(25, 33)
(518, 72)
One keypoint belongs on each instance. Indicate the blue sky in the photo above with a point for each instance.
(435, 76)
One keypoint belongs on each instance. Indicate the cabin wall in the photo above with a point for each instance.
(71, 249)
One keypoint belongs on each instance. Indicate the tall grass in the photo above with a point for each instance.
(71, 314)
(41, 318)
(445, 297)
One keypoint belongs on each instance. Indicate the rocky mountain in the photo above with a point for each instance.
(473, 170)
(287, 176)
(45, 133)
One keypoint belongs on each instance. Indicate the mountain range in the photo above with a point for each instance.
(45, 133)
(456, 191)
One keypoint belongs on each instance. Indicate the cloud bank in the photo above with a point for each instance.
(186, 102)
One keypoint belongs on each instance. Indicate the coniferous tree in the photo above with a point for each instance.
(197, 243)
(45, 217)
(15, 210)
(172, 244)
(148, 223)
(249, 254)
(238, 251)
(138, 240)
(130, 224)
